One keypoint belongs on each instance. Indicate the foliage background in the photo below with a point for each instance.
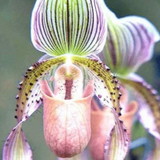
(17, 54)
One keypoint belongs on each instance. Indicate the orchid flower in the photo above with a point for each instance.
(70, 81)
(129, 44)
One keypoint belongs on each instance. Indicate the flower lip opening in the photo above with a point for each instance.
(68, 84)
(45, 89)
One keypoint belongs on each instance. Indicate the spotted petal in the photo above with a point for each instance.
(129, 44)
(28, 101)
(103, 79)
(69, 26)
(105, 83)
(149, 106)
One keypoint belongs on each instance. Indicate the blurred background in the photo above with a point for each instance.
(17, 54)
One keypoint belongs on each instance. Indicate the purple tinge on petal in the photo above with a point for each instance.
(119, 137)
(16, 146)
(77, 27)
(148, 101)
(129, 44)
(66, 122)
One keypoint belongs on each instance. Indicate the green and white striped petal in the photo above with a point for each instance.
(129, 44)
(16, 146)
(149, 105)
(69, 26)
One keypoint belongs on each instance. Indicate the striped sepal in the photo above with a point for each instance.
(129, 44)
(68, 26)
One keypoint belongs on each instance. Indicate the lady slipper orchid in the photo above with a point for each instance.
(67, 114)
(129, 44)
(71, 32)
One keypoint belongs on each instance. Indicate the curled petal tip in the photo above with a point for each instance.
(16, 146)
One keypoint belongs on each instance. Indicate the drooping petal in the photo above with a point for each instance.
(28, 100)
(29, 97)
(117, 145)
(16, 146)
(148, 100)
(69, 26)
(109, 139)
(129, 44)
(66, 122)
(105, 83)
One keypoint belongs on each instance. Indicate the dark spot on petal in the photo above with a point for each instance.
(17, 96)
(29, 69)
(26, 76)
(37, 101)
